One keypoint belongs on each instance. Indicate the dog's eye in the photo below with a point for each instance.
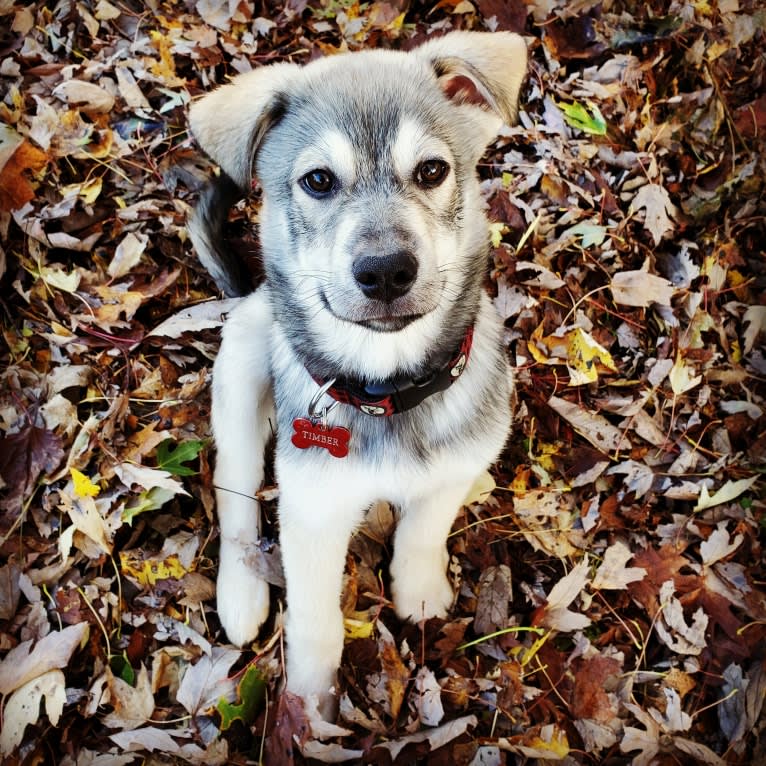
(431, 173)
(318, 183)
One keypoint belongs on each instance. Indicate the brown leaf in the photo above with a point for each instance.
(509, 15)
(291, 722)
(661, 565)
(15, 187)
(23, 457)
(396, 676)
(493, 600)
(592, 678)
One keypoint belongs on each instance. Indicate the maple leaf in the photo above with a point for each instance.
(251, 692)
(22, 707)
(23, 457)
(613, 574)
(641, 288)
(556, 614)
(15, 188)
(204, 683)
(24, 663)
(291, 726)
(655, 201)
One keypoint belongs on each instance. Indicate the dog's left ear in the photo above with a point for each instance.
(230, 123)
(485, 69)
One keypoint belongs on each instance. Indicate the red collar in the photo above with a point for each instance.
(403, 393)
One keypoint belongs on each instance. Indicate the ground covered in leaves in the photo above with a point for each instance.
(610, 602)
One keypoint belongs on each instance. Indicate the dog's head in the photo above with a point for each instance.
(371, 223)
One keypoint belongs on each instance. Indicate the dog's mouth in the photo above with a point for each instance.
(389, 324)
(379, 318)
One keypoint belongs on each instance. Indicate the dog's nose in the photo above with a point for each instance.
(385, 277)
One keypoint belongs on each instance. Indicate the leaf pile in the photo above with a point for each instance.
(610, 602)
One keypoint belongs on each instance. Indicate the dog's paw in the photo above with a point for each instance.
(243, 598)
(420, 595)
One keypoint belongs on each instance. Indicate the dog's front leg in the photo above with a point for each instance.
(315, 526)
(420, 586)
(242, 416)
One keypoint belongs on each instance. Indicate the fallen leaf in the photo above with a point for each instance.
(672, 628)
(435, 738)
(24, 663)
(86, 95)
(23, 707)
(655, 201)
(719, 545)
(194, 319)
(593, 427)
(207, 681)
(682, 378)
(613, 574)
(428, 700)
(16, 190)
(556, 614)
(23, 457)
(133, 705)
(725, 494)
(251, 691)
(127, 254)
(493, 600)
(641, 288)
(83, 486)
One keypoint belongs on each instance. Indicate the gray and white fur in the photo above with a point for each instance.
(374, 242)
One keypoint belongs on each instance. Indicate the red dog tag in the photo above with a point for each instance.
(308, 434)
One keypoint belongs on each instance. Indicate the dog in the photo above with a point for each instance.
(371, 345)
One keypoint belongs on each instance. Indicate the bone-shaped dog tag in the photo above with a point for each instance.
(334, 438)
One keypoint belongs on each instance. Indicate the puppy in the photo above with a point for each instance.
(371, 346)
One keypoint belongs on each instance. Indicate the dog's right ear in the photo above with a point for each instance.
(230, 123)
(481, 69)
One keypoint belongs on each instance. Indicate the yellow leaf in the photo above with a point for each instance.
(83, 486)
(496, 231)
(583, 355)
(357, 628)
(58, 279)
(680, 377)
(148, 571)
(557, 745)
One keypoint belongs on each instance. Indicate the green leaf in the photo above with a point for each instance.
(120, 665)
(591, 233)
(252, 693)
(151, 500)
(171, 456)
(578, 116)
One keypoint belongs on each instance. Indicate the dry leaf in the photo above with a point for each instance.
(725, 494)
(205, 682)
(23, 707)
(655, 200)
(86, 95)
(672, 628)
(556, 614)
(133, 705)
(613, 574)
(428, 700)
(595, 428)
(640, 288)
(24, 663)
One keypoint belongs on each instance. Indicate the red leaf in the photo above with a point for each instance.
(291, 721)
